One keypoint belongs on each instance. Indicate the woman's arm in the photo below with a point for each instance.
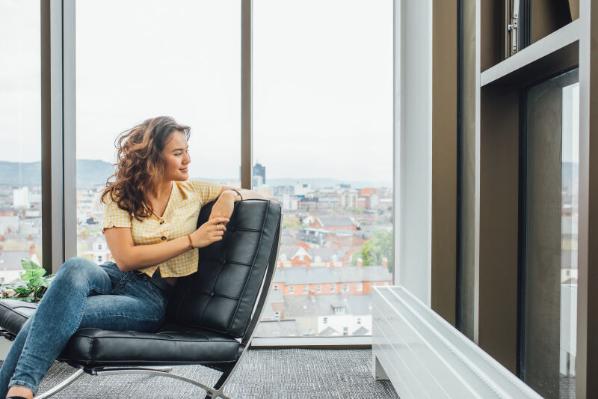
(246, 194)
(129, 256)
(225, 204)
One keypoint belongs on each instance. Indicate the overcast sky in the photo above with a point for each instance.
(322, 81)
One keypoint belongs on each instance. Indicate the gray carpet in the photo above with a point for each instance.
(263, 373)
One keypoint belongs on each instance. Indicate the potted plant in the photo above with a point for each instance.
(32, 286)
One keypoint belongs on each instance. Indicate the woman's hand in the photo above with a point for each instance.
(224, 205)
(209, 232)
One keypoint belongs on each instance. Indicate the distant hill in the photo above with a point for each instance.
(20, 173)
(89, 173)
(95, 172)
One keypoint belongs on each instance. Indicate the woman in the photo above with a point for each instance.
(150, 217)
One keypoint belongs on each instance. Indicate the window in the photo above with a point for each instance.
(528, 21)
(550, 247)
(338, 309)
(182, 60)
(516, 24)
(20, 137)
(323, 135)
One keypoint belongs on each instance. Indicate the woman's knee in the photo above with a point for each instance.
(77, 268)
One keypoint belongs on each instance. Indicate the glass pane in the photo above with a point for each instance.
(180, 59)
(550, 256)
(323, 102)
(20, 136)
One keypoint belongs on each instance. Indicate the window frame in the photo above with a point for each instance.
(59, 220)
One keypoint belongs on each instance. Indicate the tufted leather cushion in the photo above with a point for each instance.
(221, 295)
(173, 344)
(208, 310)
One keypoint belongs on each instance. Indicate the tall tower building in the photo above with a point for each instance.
(258, 175)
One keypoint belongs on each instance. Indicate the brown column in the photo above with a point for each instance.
(444, 158)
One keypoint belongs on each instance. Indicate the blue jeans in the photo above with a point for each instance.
(82, 294)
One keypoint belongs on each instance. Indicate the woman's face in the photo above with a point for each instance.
(176, 157)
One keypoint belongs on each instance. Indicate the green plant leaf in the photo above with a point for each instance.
(28, 264)
(39, 292)
(22, 291)
(36, 282)
(32, 276)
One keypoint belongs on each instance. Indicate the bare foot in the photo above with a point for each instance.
(17, 390)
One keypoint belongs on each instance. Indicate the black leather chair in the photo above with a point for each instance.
(210, 320)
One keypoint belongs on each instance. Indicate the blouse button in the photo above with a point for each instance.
(163, 238)
(161, 222)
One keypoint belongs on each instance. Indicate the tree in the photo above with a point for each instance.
(290, 222)
(378, 247)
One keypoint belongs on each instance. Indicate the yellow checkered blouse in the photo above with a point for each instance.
(179, 219)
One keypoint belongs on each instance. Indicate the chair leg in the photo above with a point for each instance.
(62, 385)
(219, 386)
(212, 392)
(215, 393)
(220, 382)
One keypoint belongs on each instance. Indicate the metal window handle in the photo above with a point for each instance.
(513, 27)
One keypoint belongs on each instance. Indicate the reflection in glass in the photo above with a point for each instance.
(20, 136)
(550, 250)
(569, 224)
(322, 101)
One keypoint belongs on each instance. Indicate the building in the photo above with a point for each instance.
(351, 280)
(20, 198)
(259, 175)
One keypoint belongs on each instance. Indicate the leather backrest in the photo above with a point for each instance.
(221, 295)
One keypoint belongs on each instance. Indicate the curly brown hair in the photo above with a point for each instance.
(139, 163)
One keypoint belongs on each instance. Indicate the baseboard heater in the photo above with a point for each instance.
(426, 357)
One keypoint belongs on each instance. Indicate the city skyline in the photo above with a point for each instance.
(33, 174)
